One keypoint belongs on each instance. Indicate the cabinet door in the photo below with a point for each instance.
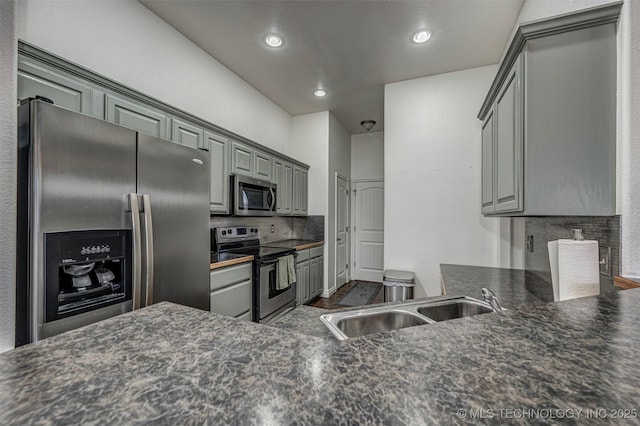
(187, 134)
(262, 169)
(487, 165)
(286, 191)
(303, 282)
(320, 275)
(299, 283)
(34, 80)
(134, 116)
(508, 144)
(278, 176)
(315, 277)
(242, 159)
(299, 191)
(219, 157)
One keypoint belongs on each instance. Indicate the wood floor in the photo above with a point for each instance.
(330, 302)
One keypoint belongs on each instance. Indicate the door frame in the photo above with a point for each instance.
(335, 231)
(352, 233)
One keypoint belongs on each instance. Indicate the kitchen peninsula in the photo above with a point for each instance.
(169, 364)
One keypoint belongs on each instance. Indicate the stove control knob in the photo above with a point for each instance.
(224, 232)
(229, 231)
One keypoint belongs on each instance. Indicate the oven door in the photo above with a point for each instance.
(271, 300)
(253, 197)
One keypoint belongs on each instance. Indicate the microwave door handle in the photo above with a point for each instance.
(148, 243)
(272, 203)
(137, 254)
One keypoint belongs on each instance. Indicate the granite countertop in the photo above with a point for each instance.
(169, 364)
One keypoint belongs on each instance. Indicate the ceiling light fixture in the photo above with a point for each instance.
(367, 124)
(421, 36)
(321, 93)
(273, 40)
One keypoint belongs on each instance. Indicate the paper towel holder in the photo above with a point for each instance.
(605, 261)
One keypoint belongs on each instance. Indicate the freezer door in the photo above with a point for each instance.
(176, 180)
(82, 168)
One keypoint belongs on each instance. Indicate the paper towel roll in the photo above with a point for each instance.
(575, 271)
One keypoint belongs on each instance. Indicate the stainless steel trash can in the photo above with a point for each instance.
(398, 285)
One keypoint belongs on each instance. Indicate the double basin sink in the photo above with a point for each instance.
(361, 322)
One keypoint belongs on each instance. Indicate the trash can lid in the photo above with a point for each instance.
(398, 276)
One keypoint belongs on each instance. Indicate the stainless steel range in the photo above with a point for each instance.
(271, 297)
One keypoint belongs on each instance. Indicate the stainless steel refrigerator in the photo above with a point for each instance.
(109, 220)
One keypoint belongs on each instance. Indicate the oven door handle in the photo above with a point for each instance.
(269, 262)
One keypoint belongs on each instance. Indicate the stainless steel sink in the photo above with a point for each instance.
(454, 309)
(362, 322)
(357, 325)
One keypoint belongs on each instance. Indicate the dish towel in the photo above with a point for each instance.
(286, 272)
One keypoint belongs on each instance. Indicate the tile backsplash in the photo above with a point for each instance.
(604, 229)
(284, 227)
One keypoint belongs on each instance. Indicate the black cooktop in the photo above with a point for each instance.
(263, 253)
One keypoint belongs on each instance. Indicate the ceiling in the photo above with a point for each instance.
(350, 48)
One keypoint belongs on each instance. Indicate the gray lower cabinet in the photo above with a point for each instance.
(135, 116)
(188, 134)
(35, 80)
(310, 274)
(219, 157)
(549, 120)
(231, 291)
(300, 182)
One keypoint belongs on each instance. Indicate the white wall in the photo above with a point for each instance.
(432, 176)
(125, 41)
(310, 144)
(367, 156)
(339, 162)
(8, 171)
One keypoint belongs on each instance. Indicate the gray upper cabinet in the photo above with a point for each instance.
(219, 155)
(135, 116)
(488, 205)
(549, 120)
(300, 177)
(187, 134)
(35, 80)
(74, 87)
(242, 159)
(283, 178)
(263, 166)
(507, 144)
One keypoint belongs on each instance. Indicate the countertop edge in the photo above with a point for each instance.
(230, 262)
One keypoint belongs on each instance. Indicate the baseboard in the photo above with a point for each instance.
(330, 292)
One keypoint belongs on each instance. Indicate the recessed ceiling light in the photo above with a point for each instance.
(321, 93)
(273, 40)
(421, 36)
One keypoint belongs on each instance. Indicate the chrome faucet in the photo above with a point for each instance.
(490, 297)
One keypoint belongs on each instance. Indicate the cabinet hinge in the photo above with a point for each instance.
(346, 229)
(346, 266)
(354, 192)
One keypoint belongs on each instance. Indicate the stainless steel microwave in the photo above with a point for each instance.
(252, 197)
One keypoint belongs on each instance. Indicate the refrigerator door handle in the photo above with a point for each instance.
(148, 242)
(137, 253)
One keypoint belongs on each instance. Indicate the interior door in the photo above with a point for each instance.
(368, 230)
(342, 234)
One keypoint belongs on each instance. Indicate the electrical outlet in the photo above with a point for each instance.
(273, 229)
(605, 261)
(530, 243)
